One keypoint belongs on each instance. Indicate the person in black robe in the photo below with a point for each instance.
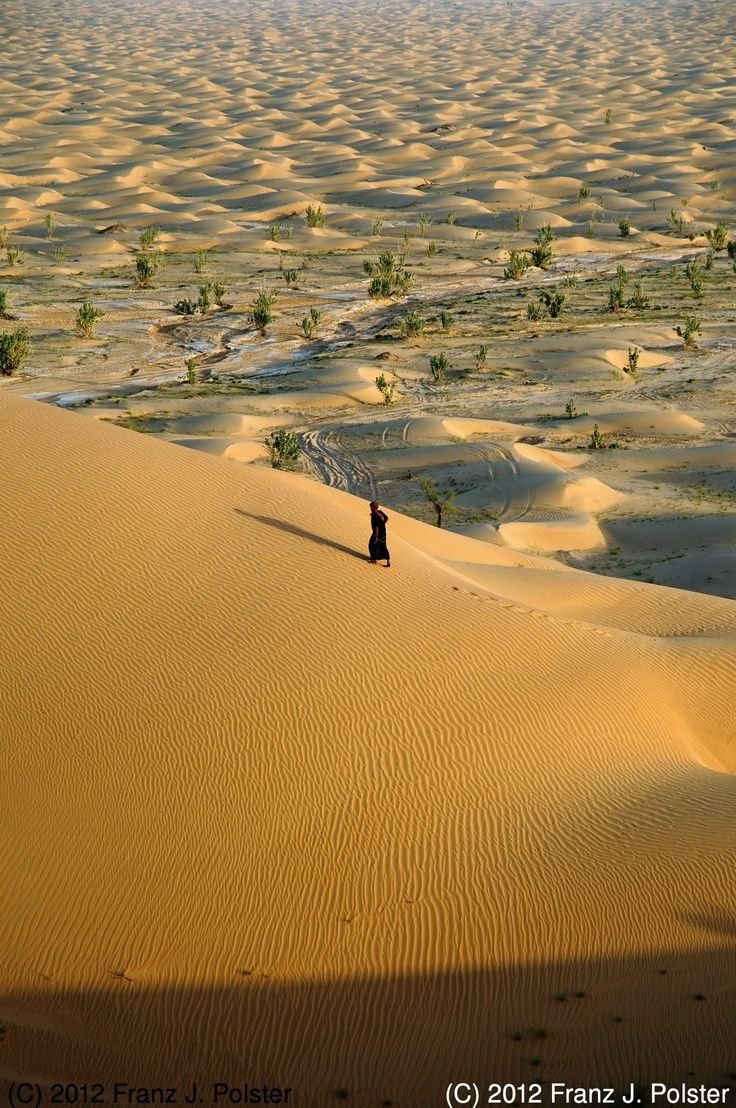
(377, 543)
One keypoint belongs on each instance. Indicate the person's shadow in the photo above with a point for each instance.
(292, 529)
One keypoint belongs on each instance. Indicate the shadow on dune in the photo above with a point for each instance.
(292, 529)
(400, 1040)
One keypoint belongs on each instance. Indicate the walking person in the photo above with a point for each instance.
(377, 543)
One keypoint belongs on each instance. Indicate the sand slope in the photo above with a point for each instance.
(364, 822)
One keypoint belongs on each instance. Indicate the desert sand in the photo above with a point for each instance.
(272, 815)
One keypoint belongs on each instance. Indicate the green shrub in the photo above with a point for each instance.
(533, 311)
(596, 439)
(439, 366)
(15, 346)
(49, 224)
(274, 230)
(616, 297)
(717, 236)
(310, 323)
(261, 309)
(14, 256)
(314, 215)
(58, 253)
(388, 276)
(694, 274)
(191, 368)
(624, 227)
(608, 115)
(446, 320)
(441, 502)
(517, 265)
(541, 252)
(386, 389)
(553, 301)
(480, 358)
(283, 449)
(3, 304)
(204, 300)
(431, 249)
(424, 222)
(571, 411)
(570, 281)
(145, 269)
(201, 260)
(583, 193)
(632, 359)
(4, 234)
(451, 218)
(638, 300)
(185, 307)
(519, 220)
(731, 248)
(689, 330)
(377, 227)
(676, 220)
(148, 236)
(710, 258)
(218, 293)
(411, 325)
(291, 276)
(86, 318)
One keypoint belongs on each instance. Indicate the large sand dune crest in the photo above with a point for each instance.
(231, 745)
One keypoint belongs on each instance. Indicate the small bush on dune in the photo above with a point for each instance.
(446, 320)
(624, 227)
(517, 265)
(15, 346)
(480, 358)
(441, 502)
(311, 322)
(148, 236)
(694, 274)
(86, 318)
(201, 260)
(541, 252)
(389, 277)
(554, 302)
(386, 389)
(283, 449)
(191, 370)
(533, 311)
(439, 366)
(632, 359)
(717, 236)
(689, 330)
(145, 270)
(204, 300)
(49, 223)
(638, 300)
(411, 325)
(291, 276)
(14, 256)
(3, 304)
(261, 309)
(315, 215)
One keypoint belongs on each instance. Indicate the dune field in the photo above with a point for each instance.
(274, 818)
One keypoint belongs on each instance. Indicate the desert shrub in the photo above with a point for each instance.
(218, 293)
(291, 276)
(624, 227)
(411, 325)
(519, 220)
(49, 224)
(310, 323)
(14, 256)
(204, 300)
(440, 501)
(3, 304)
(283, 449)
(446, 320)
(261, 309)
(694, 274)
(201, 260)
(608, 115)
(185, 307)
(439, 367)
(632, 359)
(616, 297)
(717, 236)
(570, 281)
(571, 411)
(148, 236)
(731, 248)
(377, 227)
(191, 370)
(386, 389)
(583, 193)
(388, 276)
(315, 215)
(638, 300)
(689, 330)
(517, 265)
(710, 257)
(4, 234)
(480, 358)
(533, 311)
(431, 249)
(541, 252)
(676, 220)
(622, 276)
(86, 318)
(424, 222)
(553, 301)
(597, 441)
(15, 346)
(274, 229)
(145, 269)
(451, 218)
(58, 253)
